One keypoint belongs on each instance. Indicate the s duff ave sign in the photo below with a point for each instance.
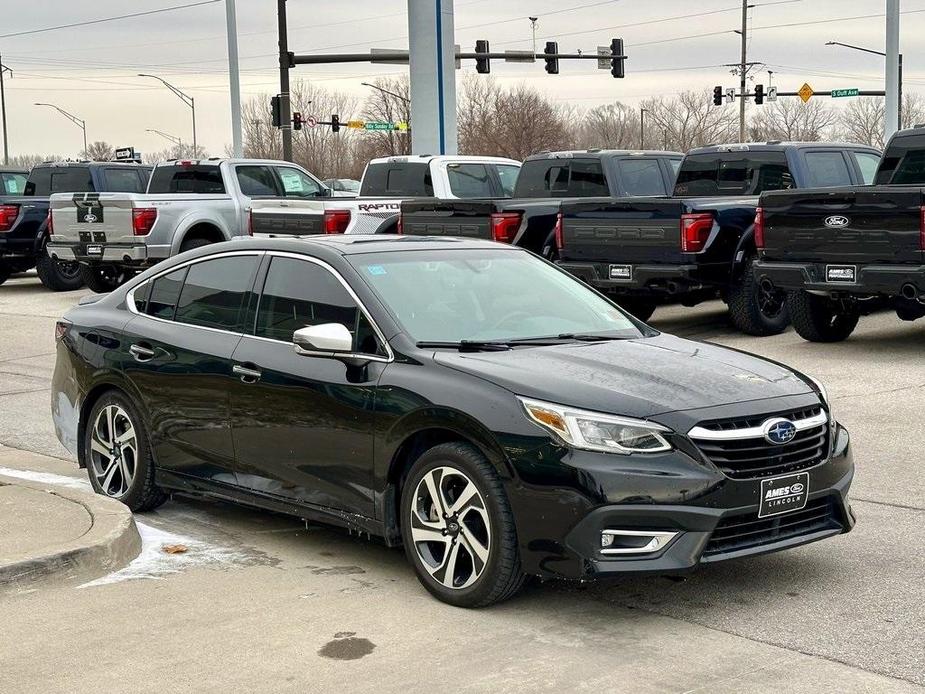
(836, 93)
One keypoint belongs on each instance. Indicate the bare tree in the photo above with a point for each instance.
(182, 151)
(791, 119)
(27, 161)
(98, 151)
(614, 126)
(862, 119)
(390, 101)
(690, 120)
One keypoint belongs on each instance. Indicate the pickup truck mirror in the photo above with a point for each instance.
(327, 339)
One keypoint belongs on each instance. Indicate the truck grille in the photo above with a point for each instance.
(746, 531)
(754, 457)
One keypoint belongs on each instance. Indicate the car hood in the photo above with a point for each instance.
(636, 378)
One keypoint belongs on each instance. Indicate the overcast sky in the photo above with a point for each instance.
(91, 70)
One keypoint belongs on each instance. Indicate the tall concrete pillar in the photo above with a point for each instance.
(433, 76)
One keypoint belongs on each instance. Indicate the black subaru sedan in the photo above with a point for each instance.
(464, 399)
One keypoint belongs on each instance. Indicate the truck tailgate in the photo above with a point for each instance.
(632, 230)
(434, 217)
(275, 217)
(93, 217)
(869, 224)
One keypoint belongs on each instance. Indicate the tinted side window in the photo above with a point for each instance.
(297, 294)
(911, 169)
(162, 302)
(827, 169)
(641, 177)
(71, 179)
(214, 292)
(587, 179)
(895, 152)
(39, 182)
(13, 183)
(868, 164)
(469, 180)
(508, 175)
(556, 180)
(124, 180)
(532, 181)
(205, 179)
(141, 297)
(256, 181)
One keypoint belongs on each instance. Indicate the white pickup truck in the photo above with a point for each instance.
(193, 203)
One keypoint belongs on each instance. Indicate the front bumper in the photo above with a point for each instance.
(644, 279)
(715, 518)
(884, 280)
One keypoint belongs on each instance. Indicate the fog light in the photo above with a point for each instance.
(635, 541)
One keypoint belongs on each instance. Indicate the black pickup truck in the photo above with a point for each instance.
(698, 244)
(839, 252)
(528, 219)
(24, 216)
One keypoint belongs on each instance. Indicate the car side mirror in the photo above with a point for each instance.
(327, 339)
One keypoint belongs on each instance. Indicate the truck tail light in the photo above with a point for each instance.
(250, 222)
(336, 221)
(50, 223)
(695, 230)
(61, 328)
(143, 219)
(8, 215)
(400, 226)
(922, 227)
(560, 242)
(759, 228)
(504, 226)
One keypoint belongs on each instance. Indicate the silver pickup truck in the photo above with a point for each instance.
(188, 204)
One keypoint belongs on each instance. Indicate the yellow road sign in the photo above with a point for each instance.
(355, 124)
(805, 92)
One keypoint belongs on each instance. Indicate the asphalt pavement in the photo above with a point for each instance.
(259, 602)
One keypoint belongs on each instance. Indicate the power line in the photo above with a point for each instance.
(108, 19)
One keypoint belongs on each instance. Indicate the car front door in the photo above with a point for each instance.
(178, 357)
(303, 425)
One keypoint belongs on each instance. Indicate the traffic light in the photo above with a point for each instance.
(482, 65)
(297, 121)
(759, 94)
(552, 64)
(617, 58)
(718, 95)
(335, 123)
(277, 110)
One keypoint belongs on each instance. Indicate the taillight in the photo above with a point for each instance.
(922, 227)
(400, 227)
(759, 228)
(8, 215)
(49, 224)
(143, 219)
(250, 222)
(336, 221)
(695, 230)
(61, 328)
(560, 242)
(504, 226)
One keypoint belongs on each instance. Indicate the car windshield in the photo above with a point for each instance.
(487, 295)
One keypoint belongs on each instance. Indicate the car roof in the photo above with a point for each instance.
(449, 158)
(575, 153)
(776, 146)
(352, 244)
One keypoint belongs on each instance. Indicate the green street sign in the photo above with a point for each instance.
(379, 125)
(836, 93)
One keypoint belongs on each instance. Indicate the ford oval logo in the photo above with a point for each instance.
(837, 221)
(779, 431)
(796, 488)
(89, 218)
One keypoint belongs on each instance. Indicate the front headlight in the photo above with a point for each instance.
(824, 396)
(594, 431)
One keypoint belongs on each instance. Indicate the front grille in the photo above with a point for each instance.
(746, 531)
(756, 457)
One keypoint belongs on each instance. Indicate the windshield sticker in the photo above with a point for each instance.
(375, 270)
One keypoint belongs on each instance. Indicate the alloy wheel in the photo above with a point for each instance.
(113, 451)
(450, 527)
(771, 302)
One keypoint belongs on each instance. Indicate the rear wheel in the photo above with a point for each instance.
(640, 307)
(190, 244)
(822, 319)
(458, 529)
(58, 275)
(117, 454)
(757, 310)
(103, 279)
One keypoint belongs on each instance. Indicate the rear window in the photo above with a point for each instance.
(197, 178)
(868, 163)
(567, 178)
(125, 180)
(903, 161)
(827, 169)
(641, 177)
(162, 301)
(733, 173)
(470, 181)
(46, 180)
(397, 179)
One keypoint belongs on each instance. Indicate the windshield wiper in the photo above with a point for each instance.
(467, 345)
(590, 337)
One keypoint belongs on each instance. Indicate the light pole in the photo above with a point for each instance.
(386, 91)
(79, 122)
(185, 98)
(168, 136)
(6, 145)
(899, 91)
(642, 127)
(533, 28)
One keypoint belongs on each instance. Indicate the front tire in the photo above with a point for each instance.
(117, 454)
(821, 319)
(458, 528)
(755, 310)
(56, 275)
(104, 278)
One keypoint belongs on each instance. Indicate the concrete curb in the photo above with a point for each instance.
(111, 542)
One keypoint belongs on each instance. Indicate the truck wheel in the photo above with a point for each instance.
(56, 275)
(755, 310)
(5, 272)
(190, 244)
(821, 319)
(640, 307)
(105, 278)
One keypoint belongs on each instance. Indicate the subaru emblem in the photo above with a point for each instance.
(779, 431)
(837, 221)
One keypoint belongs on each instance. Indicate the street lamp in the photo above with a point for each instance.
(386, 91)
(185, 98)
(168, 136)
(79, 122)
(899, 95)
(642, 127)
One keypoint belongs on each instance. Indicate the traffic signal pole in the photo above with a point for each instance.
(891, 82)
(285, 64)
(743, 68)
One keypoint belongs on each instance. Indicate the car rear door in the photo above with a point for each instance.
(177, 355)
(303, 426)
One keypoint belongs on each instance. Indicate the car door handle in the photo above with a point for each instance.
(247, 375)
(141, 353)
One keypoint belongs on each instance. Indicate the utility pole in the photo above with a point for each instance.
(234, 78)
(6, 146)
(284, 65)
(642, 127)
(891, 113)
(743, 67)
